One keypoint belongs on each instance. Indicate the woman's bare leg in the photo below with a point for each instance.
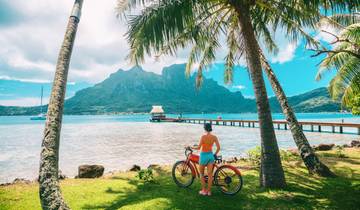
(202, 178)
(210, 168)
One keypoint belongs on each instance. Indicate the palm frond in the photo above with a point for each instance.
(156, 25)
(339, 21)
(127, 5)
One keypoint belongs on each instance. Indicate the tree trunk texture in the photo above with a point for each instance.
(308, 155)
(271, 171)
(50, 194)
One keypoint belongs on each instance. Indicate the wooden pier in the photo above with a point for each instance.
(279, 124)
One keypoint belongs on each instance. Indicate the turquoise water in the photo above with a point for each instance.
(333, 117)
(119, 141)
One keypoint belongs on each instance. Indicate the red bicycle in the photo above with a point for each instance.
(226, 177)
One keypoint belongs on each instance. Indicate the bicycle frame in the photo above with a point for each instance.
(194, 166)
(223, 174)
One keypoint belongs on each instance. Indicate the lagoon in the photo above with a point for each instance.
(119, 141)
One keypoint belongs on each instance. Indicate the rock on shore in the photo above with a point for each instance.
(90, 171)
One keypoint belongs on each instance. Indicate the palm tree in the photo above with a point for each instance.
(165, 26)
(50, 194)
(345, 58)
(310, 159)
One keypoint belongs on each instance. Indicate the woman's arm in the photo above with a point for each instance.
(217, 146)
(197, 147)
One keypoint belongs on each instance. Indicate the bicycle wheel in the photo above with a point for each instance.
(228, 180)
(182, 174)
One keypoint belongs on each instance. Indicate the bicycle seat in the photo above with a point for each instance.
(218, 158)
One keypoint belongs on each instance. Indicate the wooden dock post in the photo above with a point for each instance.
(358, 131)
(333, 129)
(341, 129)
(217, 122)
(249, 124)
(278, 125)
(319, 128)
(312, 127)
(253, 125)
(285, 126)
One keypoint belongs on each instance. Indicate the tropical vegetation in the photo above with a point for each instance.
(345, 58)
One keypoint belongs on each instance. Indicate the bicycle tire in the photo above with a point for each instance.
(237, 176)
(189, 170)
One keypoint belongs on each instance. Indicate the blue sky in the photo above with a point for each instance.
(31, 33)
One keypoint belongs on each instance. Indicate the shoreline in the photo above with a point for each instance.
(292, 151)
(184, 113)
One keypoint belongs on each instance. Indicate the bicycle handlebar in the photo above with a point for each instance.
(188, 151)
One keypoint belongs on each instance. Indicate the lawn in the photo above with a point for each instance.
(126, 191)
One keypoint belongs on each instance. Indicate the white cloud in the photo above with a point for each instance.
(240, 87)
(285, 54)
(27, 101)
(30, 46)
(28, 80)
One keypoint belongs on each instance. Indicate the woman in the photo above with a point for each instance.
(207, 158)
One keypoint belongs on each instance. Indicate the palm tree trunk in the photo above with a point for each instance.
(271, 171)
(50, 194)
(308, 155)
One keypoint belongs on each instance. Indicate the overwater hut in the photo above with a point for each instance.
(157, 113)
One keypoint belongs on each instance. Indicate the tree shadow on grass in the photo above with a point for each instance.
(308, 194)
(334, 193)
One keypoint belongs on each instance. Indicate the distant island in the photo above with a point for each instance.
(136, 90)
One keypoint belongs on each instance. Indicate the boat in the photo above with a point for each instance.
(40, 116)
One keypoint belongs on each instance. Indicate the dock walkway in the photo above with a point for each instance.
(279, 124)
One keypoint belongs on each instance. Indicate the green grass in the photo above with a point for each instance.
(125, 191)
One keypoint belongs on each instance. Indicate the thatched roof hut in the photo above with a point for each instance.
(157, 110)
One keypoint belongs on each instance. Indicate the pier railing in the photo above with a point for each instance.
(279, 124)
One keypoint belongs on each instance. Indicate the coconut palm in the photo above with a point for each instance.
(345, 58)
(50, 194)
(310, 159)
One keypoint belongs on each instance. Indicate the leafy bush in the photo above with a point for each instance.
(254, 156)
(146, 175)
(287, 155)
(340, 152)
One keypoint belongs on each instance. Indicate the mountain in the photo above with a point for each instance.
(137, 90)
(317, 100)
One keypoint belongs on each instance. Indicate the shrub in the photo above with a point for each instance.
(287, 155)
(340, 152)
(254, 156)
(146, 175)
